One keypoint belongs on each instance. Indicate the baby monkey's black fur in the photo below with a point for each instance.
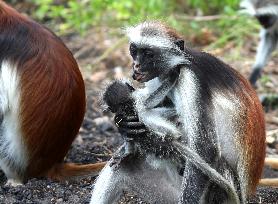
(138, 140)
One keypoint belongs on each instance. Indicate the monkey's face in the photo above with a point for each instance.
(144, 64)
(148, 62)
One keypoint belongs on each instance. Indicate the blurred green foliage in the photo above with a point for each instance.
(80, 15)
(213, 6)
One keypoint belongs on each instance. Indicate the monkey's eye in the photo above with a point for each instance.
(149, 53)
(132, 49)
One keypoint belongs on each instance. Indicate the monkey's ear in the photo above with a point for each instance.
(180, 44)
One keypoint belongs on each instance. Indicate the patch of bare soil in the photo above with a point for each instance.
(98, 137)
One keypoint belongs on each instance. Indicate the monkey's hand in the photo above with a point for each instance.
(130, 126)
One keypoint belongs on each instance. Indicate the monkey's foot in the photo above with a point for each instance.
(13, 183)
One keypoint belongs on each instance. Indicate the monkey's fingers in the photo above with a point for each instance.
(132, 131)
(125, 124)
(132, 118)
(123, 121)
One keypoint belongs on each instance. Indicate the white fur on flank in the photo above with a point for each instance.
(225, 111)
(12, 148)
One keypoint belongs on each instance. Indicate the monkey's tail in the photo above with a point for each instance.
(70, 171)
(209, 171)
(273, 163)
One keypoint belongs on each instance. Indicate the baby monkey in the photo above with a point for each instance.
(118, 97)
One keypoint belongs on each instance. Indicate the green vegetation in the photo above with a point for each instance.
(214, 6)
(80, 15)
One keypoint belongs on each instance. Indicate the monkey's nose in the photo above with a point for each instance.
(136, 66)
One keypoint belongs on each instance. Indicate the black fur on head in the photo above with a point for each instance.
(180, 44)
(267, 21)
(117, 94)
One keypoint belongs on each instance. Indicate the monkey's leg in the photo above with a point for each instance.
(268, 43)
(195, 181)
(215, 194)
(108, 187)
(224, 181)
(155, 185)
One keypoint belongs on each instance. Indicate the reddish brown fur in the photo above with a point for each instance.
(71, 170)
(252, 127)
(253, 134)
(52, 101)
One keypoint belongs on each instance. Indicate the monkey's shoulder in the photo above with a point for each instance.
(213, 72)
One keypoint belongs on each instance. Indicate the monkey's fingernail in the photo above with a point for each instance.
(118, 122)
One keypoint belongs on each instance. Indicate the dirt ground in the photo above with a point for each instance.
(98, 138)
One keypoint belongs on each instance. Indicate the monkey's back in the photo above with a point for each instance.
(229, 89)
(45, 102)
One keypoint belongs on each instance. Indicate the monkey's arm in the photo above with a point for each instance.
(161, 92)
(201, 135)
(268, 43)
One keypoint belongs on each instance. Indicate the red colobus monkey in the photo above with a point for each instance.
(221, 120)
(266, 11)
(220, 113)
(42, 101)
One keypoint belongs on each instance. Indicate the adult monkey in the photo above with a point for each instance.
(266, 11)
(218, 108)
(42, 101)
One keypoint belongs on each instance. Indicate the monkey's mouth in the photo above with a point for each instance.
(139, 76)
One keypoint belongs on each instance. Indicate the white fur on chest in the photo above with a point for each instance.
(153, 118)
(143, 93)
(11, 143)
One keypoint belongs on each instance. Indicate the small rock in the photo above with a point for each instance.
(103, 123)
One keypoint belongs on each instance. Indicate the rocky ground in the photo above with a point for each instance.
(98, 138)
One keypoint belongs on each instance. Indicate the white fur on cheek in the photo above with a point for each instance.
(12, 149)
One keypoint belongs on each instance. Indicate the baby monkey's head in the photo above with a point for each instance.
(117, 95)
